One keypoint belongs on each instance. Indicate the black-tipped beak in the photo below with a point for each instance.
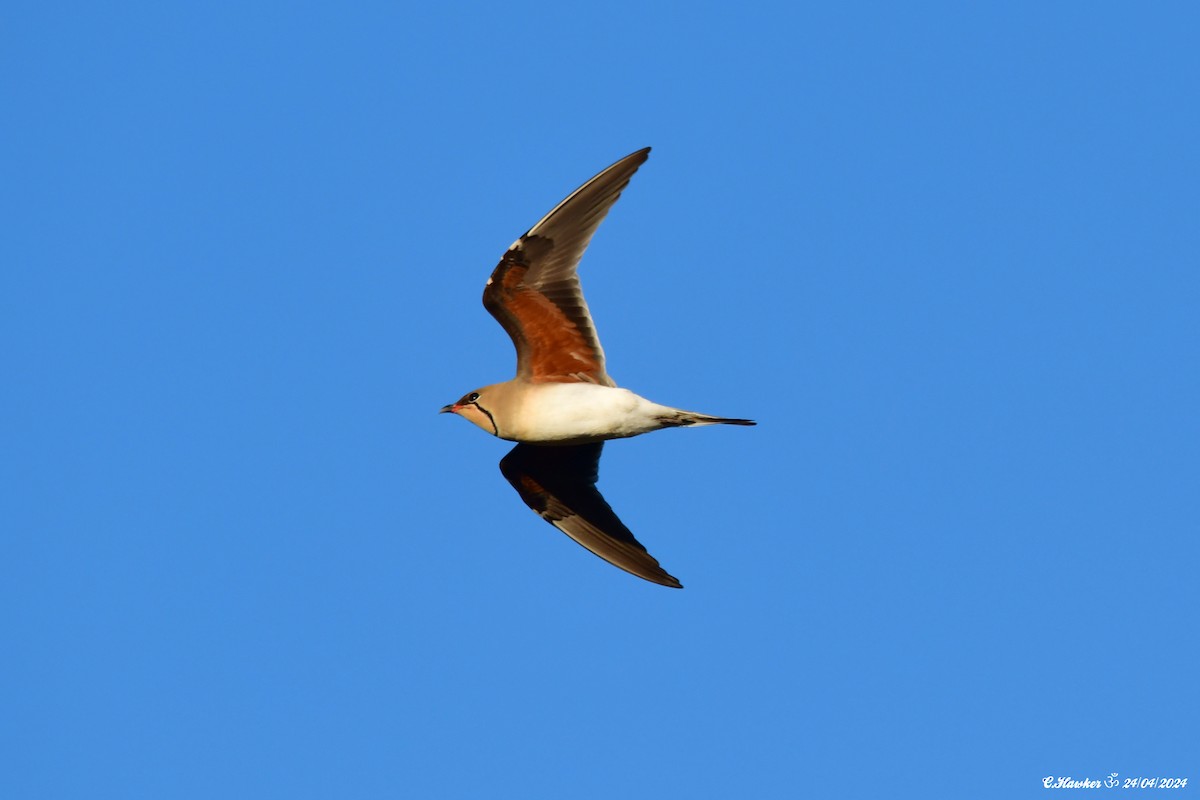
(447, 409)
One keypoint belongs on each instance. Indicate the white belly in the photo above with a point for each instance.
(571, 413)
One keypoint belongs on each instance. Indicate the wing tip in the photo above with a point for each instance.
(651, 572)
(639, 155)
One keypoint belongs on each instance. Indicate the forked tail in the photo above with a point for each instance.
(684, 418)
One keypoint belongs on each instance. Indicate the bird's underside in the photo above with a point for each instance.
(562, 405)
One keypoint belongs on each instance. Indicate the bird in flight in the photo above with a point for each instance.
(562, 405)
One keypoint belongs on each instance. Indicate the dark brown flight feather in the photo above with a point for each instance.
(559, 483)
(534, 292)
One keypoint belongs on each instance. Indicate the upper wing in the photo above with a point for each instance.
(559, 483)
(534, 291)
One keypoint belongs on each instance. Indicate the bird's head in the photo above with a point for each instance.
(472, 406)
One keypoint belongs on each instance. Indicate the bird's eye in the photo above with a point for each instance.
(472, 397)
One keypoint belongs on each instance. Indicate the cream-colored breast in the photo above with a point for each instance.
(567, 413)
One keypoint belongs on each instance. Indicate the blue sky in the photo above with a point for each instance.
(945, 254)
